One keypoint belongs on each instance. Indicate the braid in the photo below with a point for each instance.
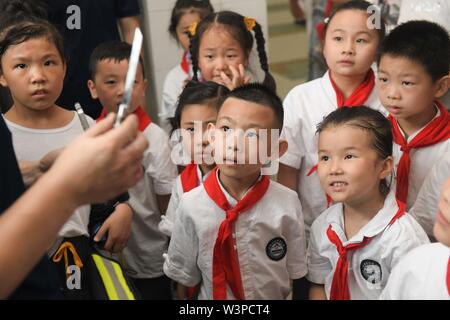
(193, 49)
(260, 42)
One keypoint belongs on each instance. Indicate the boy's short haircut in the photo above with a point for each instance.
(423, 42)
(111, 50)
(260, 94)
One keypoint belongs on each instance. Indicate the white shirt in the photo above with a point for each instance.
(371, 265)
(420, 275)
(275, 220)
(167, 220)
(33, 144)
(146, 245)
(425, 207)
(436, 11)
(422, 160)
(305, 107)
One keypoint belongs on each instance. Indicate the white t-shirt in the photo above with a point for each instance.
(33, 144)
(146, 245)
(437, 11)
(420, 275)
(371, 265)
(275, 219)
(422, 160)
(167, 220)
(305, 107)
(425, 207)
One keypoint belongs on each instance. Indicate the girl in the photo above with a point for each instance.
(33, 68)
(355, 243)
(198, 104)
(221, 45)
(350, 48)
(184, 14)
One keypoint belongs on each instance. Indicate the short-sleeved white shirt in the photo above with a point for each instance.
(425, 207)
(146, 245)
(33, 144)
(167, 220)
(305, 107)
(422, 160)
(420, 275)
(274, 224)
(371, 265)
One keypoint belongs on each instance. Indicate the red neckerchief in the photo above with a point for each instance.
(189, 177)
(339, 286)
(436, 131)
(359, 96)
(185, 63)
(144, 119)
(225, 261)
(448, 276)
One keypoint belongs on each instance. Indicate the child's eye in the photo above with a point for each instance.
(20, 66)
(209, 56)
(225, 129)
(252, 134)
(361, 41)
(408, 83)
(49, 62)
(231, 56)
(190, 129)
(383, 80)
(349, 156)
(324, 158)
(110, 82)
(337, 38)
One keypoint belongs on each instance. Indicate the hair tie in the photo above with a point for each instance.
(326, 20)
(250, 23)
(193, 29)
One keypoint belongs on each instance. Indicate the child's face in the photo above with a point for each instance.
(194, 135)
(241, 145)
(218, 51)
(109, 84)
(34, 72)
(182, 29)
(349, 168)
(405, 89)
(442, 225)
(350, 47)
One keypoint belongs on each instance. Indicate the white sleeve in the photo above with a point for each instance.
(319, 267)
(167, 220)
(296, 258)
(181, 260)
(157, 160)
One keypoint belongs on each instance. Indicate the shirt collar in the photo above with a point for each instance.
(232, 201)
(438, 113)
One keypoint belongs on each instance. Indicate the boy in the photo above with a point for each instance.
(149, 198)
(425, 272)
(240, 235)
(413, 74)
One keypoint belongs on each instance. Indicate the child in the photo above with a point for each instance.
(220, 47)
(425, 272)
(197, 105)
(149, 198)
(184, 14)
(33, 68)
(350, 49)
(355, 243)
(426, 205)
(413, 74)
(239, 235)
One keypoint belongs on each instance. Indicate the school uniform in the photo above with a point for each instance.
(414, 157)
(423, 274)
(425, 207)
(250, 249)
(190, 178)
(305, 107)
(359, 268)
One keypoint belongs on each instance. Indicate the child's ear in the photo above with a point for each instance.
(211, 133)
(442, 86)
(388, 165)
(92, 89)
(3, 81)
(282, 148)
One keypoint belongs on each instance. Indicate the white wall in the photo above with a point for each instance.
(162, 52)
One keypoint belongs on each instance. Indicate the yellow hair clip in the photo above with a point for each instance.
(193, 28)
(250, 23)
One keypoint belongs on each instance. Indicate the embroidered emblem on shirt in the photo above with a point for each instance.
(276, 249)
(371, 271)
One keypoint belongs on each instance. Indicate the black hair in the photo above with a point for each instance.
(423, 42)
(202, 7)
(21, 21)
(260, 94)
(234, 23)
(369, 120)
(362, 6)
(195, 92)
(111, 50)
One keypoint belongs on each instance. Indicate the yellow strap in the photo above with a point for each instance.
(123, 282)
(109, 286)
(62, 252)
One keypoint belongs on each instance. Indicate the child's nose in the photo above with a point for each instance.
(37, 75)
(335, 167)
(348, 47)
(392, 92)
(221, 64)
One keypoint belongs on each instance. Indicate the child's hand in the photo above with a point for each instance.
(30, 172)
(444, 203)
(238, 77)
(118, 227)
(46, 162)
